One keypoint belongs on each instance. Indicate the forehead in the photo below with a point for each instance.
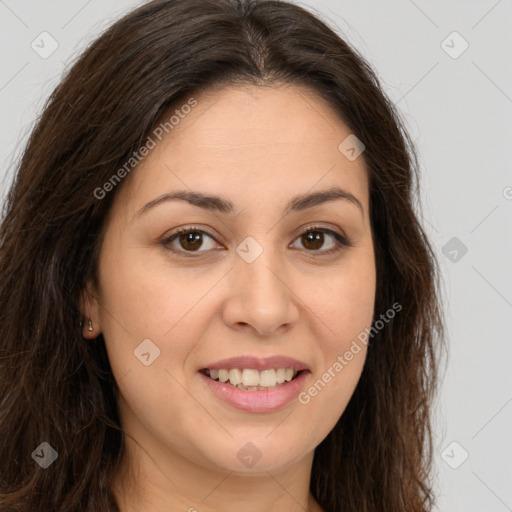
(245, 115)
(253, 143)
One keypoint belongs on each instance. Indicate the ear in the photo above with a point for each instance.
(89, 309)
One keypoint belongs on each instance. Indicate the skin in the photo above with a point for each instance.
(257, 147)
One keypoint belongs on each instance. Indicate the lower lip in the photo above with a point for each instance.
(257, 401)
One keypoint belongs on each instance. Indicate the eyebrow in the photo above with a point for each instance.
(298, 203)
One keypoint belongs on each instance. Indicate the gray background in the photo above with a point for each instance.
(458, 109)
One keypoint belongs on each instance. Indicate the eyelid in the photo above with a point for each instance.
(342, 241)
(186, 229)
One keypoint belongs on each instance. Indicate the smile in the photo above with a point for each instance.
(255, 399)
(250, 379)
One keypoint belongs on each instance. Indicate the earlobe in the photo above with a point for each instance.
(89, 310)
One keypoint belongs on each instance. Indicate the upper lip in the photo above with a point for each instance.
(258, 363)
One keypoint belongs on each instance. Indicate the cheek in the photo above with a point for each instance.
(344, 301)
(148, 297)
(150, 300)
(326, 397)
(345, 310)
(344, 306)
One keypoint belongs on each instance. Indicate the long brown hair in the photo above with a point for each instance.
(55, 387)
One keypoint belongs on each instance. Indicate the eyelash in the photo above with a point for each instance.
(342, 242)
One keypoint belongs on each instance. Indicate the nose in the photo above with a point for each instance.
(261, 296)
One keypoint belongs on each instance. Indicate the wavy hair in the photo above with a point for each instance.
(56, 387)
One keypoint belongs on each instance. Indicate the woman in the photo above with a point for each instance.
(215, 291)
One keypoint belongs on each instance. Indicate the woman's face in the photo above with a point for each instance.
(256, 278)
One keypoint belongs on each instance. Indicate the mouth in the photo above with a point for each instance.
(255, 391)
(250, 379)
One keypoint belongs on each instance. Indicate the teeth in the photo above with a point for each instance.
(253, 380)
(235, 377)
(250, 378)
(268, 378)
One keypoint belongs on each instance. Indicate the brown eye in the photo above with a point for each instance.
(188, 240)
(191, 240)
(314, 239)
